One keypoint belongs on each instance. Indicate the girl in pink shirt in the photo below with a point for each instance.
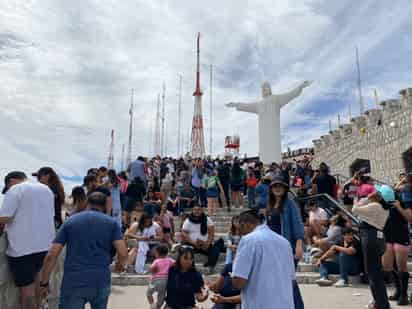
(160, 271)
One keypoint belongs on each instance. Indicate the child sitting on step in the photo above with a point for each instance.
(160, 270)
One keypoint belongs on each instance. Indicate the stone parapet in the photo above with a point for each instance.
(381, 136)
(373, 117)
(406, 97)
(390, 107)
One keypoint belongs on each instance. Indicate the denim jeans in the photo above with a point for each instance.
(78, 298)
(251, 193)
(347, 265)
(297, 296)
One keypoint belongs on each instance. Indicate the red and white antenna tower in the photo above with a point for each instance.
(110, 161)
(198, 140)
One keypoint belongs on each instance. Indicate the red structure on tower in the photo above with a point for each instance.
(198, 141)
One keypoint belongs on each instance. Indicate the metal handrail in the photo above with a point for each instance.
(330, 200)
(346, 178)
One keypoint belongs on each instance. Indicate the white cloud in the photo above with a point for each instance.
(67, 69)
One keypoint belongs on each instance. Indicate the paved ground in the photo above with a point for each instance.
(314, 297)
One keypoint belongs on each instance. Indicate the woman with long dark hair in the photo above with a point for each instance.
(185, 284)
(374, 213)
(148, 234)
(48, 177)
(79, 201)
(398, 241)
(114, 187)
(236, 184)
(283, 217)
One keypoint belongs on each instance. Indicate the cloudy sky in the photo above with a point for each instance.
(67, 67)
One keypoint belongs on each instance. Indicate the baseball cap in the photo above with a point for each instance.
(43, 171)
(386, 192)
(279, 181)
(10, 176)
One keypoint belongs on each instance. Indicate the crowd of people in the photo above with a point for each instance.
(160, 212)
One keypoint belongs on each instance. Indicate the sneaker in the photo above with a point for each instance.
(324, 282)
(341, 284)
(175, 248)
(371, 305)
(153, 306)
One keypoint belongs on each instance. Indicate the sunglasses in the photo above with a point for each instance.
(186, 248)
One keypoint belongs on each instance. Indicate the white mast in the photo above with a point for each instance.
(110, 161)
(162, 150)
(361, 104)
(179, 119)
(122, 160)
(129, 149)
(211, 111)
(157, 141)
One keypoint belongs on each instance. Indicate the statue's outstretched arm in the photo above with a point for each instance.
(285, 98)
(244, 107)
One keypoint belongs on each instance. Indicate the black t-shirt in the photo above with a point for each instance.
(325, 184)
(228, 290)
(274, 221)
(182, 287)
(397, 228)
(100, 189)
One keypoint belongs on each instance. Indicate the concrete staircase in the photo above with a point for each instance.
(306, 273)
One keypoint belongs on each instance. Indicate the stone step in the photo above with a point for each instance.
(142, 280)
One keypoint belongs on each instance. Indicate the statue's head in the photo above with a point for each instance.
(266, 90)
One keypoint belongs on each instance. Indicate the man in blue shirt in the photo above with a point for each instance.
(136, 170)
(90, 237)
(263, 266)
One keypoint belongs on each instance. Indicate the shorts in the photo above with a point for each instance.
(212, 193)
(235, 187)
(398, 247)
(130, 204)
(25, 268)
(167, 230)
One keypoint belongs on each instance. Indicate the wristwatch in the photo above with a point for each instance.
(44, 285)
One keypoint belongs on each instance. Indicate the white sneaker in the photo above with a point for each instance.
(153, 306)
(324, 282)
(341, 284)
(371, 305)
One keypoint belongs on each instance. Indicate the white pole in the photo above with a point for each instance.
(211, 111)
(179, 116)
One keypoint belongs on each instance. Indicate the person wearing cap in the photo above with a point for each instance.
(48, 177)
(398, 241)
(373, 213)
(27, 211)
(283, 217)
(262, 191)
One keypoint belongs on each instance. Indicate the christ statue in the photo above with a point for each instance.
(268, 111)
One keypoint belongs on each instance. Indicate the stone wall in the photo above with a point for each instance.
(9, 293)
(382, 136)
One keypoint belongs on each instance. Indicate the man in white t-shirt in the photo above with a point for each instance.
(28, 212)
(199, 231)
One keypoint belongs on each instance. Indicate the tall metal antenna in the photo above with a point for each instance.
(162, 151)
(375, 92)
(110, 161)
(179, 118)
(157, 140)
(211, 111)
(339, 122)
(122, 159)
(361, 104)
(129, 149)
